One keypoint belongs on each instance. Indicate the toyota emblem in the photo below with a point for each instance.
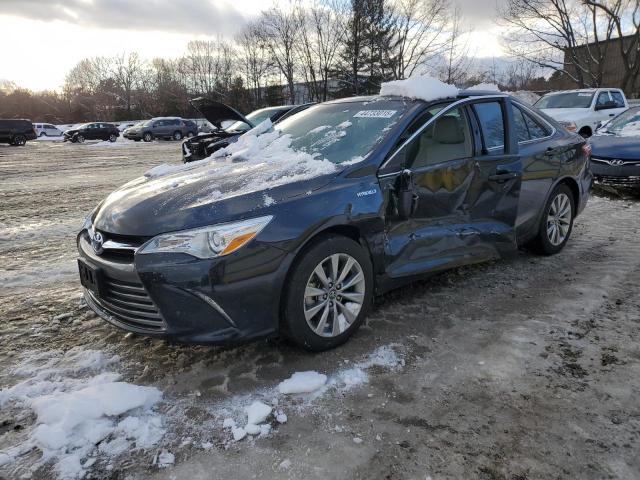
(96, 242)
(617, 162)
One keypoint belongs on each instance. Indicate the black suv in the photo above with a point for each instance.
(16, 132)
(92, 131)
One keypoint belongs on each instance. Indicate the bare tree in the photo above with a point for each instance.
(418, 34)
(279, 32)
(457, 59)
(254, 60)
(128, 73)
(569, 36)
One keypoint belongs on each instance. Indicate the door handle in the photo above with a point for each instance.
(501, 177)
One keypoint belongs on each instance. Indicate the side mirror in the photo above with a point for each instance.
(407, 200)
(606, 105)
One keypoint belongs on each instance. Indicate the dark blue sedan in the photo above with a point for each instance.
(615, 158)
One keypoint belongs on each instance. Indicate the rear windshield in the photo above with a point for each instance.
(566, 100)
(342, 132)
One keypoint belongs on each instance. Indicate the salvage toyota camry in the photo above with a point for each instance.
(292, 230)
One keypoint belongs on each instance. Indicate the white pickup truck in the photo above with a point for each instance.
(583, 110)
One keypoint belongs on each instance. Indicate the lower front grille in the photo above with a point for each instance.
(130, 304)
(631, 181)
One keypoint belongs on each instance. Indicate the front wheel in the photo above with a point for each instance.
(328, 293)
(556, 223)
(80, 138)
(147, 137)
(19, 140)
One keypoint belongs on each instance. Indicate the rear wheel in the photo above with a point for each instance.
(42, 134)
(113, 137)
(556, 223)
(147, 137)
(328, 293)
(19, 140)
(177, 135)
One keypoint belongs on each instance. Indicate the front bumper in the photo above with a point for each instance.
(625, 175)
(230, 300)
(132, 135)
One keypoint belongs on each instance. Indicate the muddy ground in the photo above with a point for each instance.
(526, 368)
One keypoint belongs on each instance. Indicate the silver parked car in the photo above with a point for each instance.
(160, 127)
(47, 130)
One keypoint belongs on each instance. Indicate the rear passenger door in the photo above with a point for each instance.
(492, 200)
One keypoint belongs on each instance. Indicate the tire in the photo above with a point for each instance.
(113, 137)
(546, 241)
(42, 134)
(19, 140)
(147, 137)
(305, 316)
(177, 136)
(190, 134)
(80, 138)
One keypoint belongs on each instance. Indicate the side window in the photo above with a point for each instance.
(618, 98)
(448, 138)
(603, 97)
(521, 125)
(536, 130)
(492, 123)
(175, 122)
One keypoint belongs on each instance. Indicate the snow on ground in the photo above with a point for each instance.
(86, 415)
(422, 87)
(83, 411)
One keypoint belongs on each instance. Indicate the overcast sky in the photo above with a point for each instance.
(53, 35)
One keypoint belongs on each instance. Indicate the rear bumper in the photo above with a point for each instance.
(187, 300)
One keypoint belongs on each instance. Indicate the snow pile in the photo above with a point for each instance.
(257, 413)
(302, 382)
(81, 414)
(383, 357)
(422, 87)
(490, 87)
(525, 96)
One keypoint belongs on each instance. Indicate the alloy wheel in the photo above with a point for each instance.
(559, 219)
(112, 137)
(334, 295)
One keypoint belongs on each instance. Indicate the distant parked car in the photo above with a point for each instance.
(159, 127)
(615, 147)
(47, 130)
(92, 131)
(203, 145)
(16, 132)
(191, 126)
(583, 110)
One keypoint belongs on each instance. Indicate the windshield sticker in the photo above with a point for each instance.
(375, 114)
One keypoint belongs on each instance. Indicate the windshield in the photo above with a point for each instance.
(626, 124)
(146, 123)
(566, 100)
(256, 117)
(342, 132)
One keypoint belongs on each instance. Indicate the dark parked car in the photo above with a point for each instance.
(615, 158)
(16, 132)
(246, 247)
(170, 128)
(92, 131)
(217, 113)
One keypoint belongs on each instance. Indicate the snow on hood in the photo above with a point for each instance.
(631, 129)
(262, 145)
(422, 87)
(490, 87)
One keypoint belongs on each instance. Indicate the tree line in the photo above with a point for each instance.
(311, 52)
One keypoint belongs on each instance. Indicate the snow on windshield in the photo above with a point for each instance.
(422, 87)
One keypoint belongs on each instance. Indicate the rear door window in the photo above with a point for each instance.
(492, 125)
(603, 98)
(522, 131)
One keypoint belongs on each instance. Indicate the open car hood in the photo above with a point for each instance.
(216, 112)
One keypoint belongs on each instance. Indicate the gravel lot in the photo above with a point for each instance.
(527, 368)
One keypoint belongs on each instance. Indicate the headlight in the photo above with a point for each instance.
(208, 242)
(569, 126)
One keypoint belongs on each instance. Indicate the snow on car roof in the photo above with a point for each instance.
(420, 87)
